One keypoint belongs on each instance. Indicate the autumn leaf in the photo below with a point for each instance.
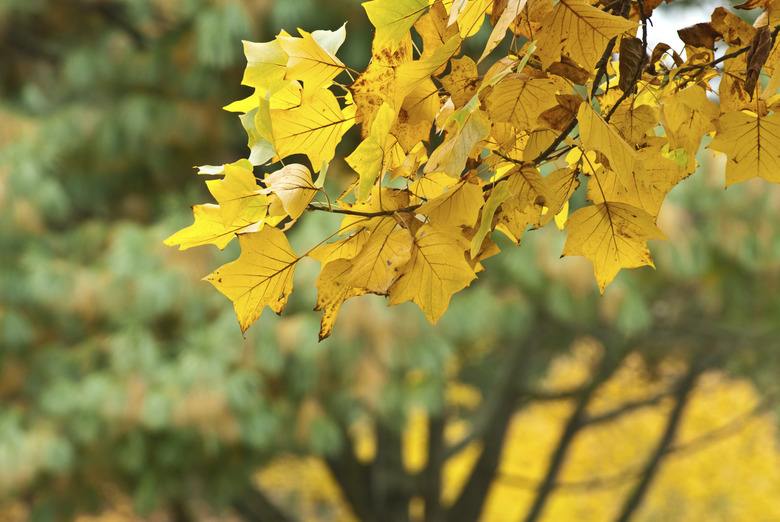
(368, 159)
(520, 99)
(208, 228)
(314, 128)
(612, 236)
(294, 187)
(437, 268)
(529, 193)
(458, 205)
(237, 194)
(511, 11)
(450, 157)
(393, 18)
(265, 66)
(576, 29)
(598, 135)
(498, 195)
(260, 277)
(752, 144)
(646, 190)
(309, 62)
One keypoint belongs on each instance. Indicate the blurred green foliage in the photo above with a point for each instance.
(119, 368)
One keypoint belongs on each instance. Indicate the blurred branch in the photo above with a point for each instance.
(254, 506)
(609, 364)
(498, 411)
(354, 480)
(620, 478)
(431, 475)
(683, 396)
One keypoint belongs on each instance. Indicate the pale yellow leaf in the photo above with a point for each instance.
(294, 187)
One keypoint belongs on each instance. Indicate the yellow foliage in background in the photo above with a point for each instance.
(723, 465)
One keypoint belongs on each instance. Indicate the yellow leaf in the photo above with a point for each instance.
(266, 64)
(207, 229)
(450, 157)
(309, 62)
(688, 115)
(633, 121)
(520, 99)
(368, 159)
(459, 205)
(612, 236)
(561, 184)
(646, 191)
(416, 116)
(314, 128)
(750, 142)
(410, 75)
(294, 187)
(237, 195)
(463, 80)
(562, 216)
(434, 28)
(260, 277)
(372, 270)
(376, 84)
(333, 289)
(498, 195)
(471, 16)
(346, 248)
(578, 30)
(375, 266)
(393, 18)
(510, 13)
(432, 185)
(436, 269)
(599, 135)
(529, 193)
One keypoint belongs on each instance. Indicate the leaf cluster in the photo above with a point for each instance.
(455, 149)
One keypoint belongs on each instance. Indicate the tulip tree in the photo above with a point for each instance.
(565, 97)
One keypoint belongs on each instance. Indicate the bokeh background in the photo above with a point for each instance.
(128, 393)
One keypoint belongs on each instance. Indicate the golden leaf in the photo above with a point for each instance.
(372, 270)
(294, 187)
(314, 128)
(612, 236)
(529, 194)
(393, 18)
(463, 80)
(751, 144)
(346, 248)
(600, 136)
(436, 269)
(237, 194)
(450, 157)
(458, 205)
(578, 30)
(511, 11)
(368, 159)
(520, 99)
(260, 277)
(208, 228)
(309, 62)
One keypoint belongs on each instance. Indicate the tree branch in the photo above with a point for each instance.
(635, 498)
(576, 421)
(499, 410)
